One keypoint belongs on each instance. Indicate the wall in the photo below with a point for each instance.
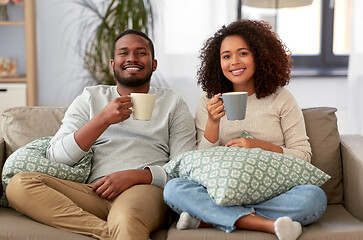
(61, 77)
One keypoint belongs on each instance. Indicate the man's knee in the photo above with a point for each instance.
(137, 212)
(128, 224)
(20, 183)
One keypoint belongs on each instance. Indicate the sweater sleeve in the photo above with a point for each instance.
(63, 147)
(293, 127)
(182, 138)
(201, 118)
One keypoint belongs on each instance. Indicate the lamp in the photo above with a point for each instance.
(276, 3)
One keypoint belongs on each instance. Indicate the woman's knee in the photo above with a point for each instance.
(314, 196)
(313, 204)
(172, 189)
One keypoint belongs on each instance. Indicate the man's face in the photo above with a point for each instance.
(133, 64)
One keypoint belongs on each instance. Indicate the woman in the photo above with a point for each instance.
(247, 56)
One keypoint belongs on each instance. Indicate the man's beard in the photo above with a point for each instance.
(131, 81)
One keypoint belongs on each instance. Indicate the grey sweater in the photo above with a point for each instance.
(130, 144)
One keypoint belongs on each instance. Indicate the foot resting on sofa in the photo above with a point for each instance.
(285, 228)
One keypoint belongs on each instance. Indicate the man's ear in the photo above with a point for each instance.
(155, 64)
(112, 63)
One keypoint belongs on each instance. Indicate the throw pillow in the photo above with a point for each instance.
(31, 158)
(241, 176)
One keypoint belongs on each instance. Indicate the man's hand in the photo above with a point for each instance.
(115, 183)
(117, 110)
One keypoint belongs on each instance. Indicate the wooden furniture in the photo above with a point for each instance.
(30, 75)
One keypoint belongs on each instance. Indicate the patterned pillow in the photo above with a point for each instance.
(31, 158)
(240, 176)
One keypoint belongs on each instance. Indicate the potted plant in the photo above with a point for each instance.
(111, 17)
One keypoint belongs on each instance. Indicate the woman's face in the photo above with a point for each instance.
(237, 62)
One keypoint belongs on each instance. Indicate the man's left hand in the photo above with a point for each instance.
(115, 183)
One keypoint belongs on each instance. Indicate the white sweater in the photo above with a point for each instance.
(276, 118)
(130, 144)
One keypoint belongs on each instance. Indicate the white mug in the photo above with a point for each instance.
(142, 105)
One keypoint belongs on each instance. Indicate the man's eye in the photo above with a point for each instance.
(122, 53)
(141, 53)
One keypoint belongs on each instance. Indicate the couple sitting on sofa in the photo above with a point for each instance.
(129, 155)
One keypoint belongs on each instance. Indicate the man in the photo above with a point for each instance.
(124, 197)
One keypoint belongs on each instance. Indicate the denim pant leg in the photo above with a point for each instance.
(303, 203)
(183, 195)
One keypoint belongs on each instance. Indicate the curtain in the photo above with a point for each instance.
(355, 71)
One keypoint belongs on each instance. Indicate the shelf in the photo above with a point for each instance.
(13, 79)
(11, 23)
(24, 16)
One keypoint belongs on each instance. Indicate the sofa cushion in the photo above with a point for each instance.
(322, 129)
(243, 176)
(31, 158)
(14, 225)
(21, 125)
(336, 224)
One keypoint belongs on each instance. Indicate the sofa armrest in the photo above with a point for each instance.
(2, 160)
(2, 153)
(352, 160)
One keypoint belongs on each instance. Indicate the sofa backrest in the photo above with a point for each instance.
(22, 125)
(322, 129)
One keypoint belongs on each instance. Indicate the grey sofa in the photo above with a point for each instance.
(339, 156)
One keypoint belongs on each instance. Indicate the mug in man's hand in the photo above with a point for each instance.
(142, 105)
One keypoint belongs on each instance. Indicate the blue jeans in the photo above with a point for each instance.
(304, 203)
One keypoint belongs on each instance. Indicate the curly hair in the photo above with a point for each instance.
(271, 57)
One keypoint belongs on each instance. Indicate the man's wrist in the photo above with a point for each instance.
(144, 176)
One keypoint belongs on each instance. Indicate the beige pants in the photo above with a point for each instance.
(74, 207)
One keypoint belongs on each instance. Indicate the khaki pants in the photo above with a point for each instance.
(74, 207)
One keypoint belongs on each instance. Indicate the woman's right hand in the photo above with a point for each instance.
(215, 108)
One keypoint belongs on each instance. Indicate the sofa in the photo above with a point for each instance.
(341, 156)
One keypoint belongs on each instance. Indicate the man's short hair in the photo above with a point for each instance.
(136, 32)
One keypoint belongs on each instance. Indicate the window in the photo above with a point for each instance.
(187, 24)
(316, 31)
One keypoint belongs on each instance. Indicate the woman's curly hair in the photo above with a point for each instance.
(271, 57)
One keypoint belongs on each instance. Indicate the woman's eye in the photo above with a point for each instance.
(243, 53)
(226, 56)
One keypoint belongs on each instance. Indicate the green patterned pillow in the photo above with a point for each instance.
(31, 158)
(241, 176)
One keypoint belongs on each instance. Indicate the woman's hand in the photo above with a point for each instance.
(215, 108)
(215, 113)
(254, 143)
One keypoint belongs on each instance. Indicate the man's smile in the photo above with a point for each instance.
(132, 68)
